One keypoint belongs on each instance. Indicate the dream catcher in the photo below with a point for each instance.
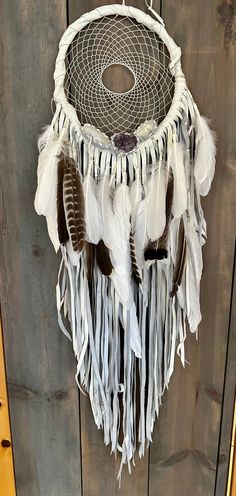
(120, 175)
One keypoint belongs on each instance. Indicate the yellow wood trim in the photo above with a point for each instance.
(7, 484)
(231, 487)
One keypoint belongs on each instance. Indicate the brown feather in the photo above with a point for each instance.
(157, 250)
(74, 204)
(103, 258)
(61, 217)
(134, 267)
(90, 257)
(180, 260)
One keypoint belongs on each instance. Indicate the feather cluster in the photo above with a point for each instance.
(131, 228)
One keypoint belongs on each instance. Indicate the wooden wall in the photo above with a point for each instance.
(57, 448)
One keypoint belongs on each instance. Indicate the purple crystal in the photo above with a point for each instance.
(125, 142)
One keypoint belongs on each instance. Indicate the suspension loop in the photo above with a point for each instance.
(149, 5)
(154, 13)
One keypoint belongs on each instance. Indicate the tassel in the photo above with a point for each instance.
(61, 217)
(134, 267)
(103, 258)
(180, 260)
(74, 204)
(157, 250)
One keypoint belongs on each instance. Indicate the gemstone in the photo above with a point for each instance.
(125, 142)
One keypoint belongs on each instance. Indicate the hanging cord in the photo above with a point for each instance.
(154, 13)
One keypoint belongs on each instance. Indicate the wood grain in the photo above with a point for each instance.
(43, 395)
(228, 401)
(99, 468)
(40, 365)
(183, 459)
(7, 487)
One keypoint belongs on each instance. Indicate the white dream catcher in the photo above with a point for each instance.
(120, 176)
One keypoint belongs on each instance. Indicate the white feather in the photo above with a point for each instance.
(136, 192)
(121, 259)
(194, 248)
(156, 204)
(109, 231)
(193, 274)
(46, 193)
(140, 233)
(73, 256)
(92, 211)
(43, 138)
(173, 233)
(50, 145)
(52, 231)
(204, 167)
(115, 236)
(122, 210)
(138, 219)
(180, 191)
(192, 298)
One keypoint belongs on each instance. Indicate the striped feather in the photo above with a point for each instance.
(134, 267)
(61, 216)
(73, 196)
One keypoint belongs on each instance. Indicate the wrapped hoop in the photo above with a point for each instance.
(140, 17)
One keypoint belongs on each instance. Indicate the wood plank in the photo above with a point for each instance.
(7, 487)
(231, 483)
(183, 458)
(99, 468)
(233, 447)
(40, 365)
(233, 492)
(228, 402)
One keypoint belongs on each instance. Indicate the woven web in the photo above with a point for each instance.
(117, 75)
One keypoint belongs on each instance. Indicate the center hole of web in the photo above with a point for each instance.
(118, 78)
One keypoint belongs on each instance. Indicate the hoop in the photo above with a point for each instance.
(140, 17)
